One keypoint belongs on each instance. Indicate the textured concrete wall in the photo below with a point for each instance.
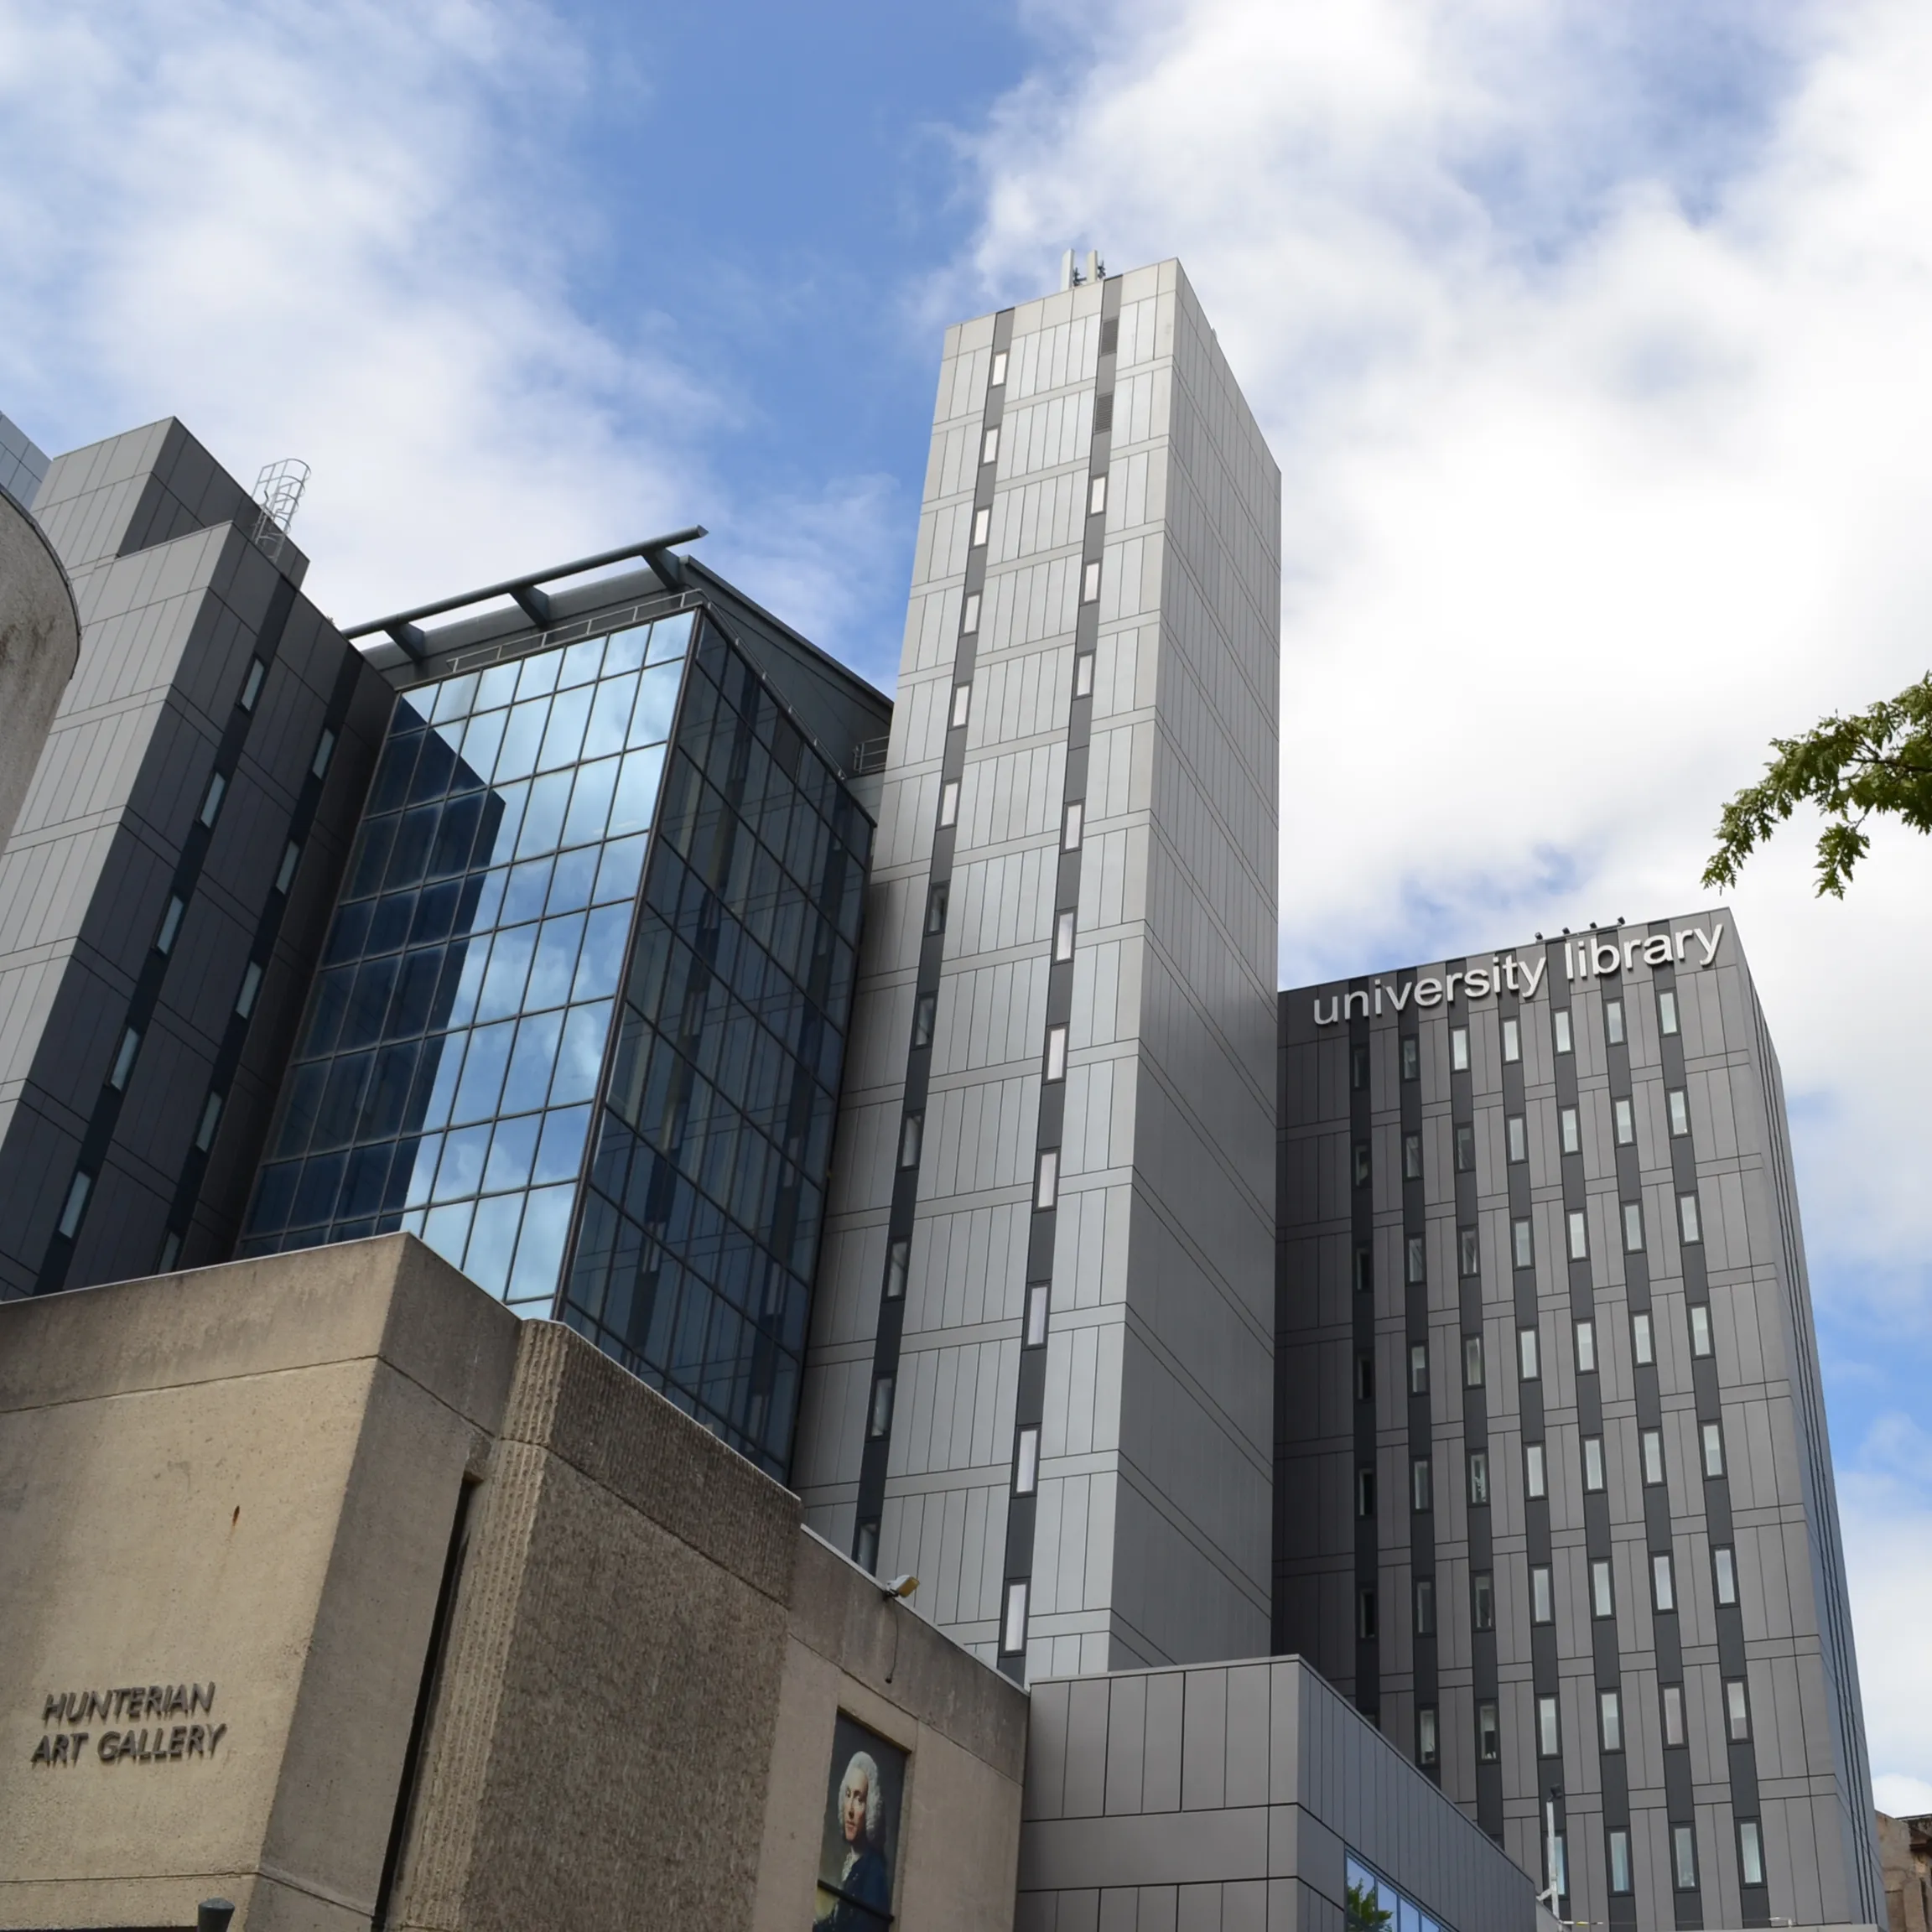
(39, 644)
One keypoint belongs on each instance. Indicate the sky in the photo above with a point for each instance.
(1590, 341)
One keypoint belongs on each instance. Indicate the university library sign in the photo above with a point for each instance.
(1590, 958)
(136, 1725)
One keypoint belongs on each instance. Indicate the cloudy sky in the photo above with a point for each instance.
(1592, 342)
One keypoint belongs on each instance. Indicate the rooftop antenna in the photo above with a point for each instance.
(279, 491)
(1073, 274)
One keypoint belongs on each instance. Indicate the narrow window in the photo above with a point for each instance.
(910, 1130)
(1679, 1112)
(1750, 1852)
(1672, 1714)
(210, 1120)
(1478, 1477)
(325, 751)
(78, 1190)
(1362, 1168)
(989, 445)
(170, 1252)
(1096, 497)
(1632, 1227)
(1561, 1017)
(1724, 1568)
(1083, 675)
(866, 1548)
(1013, 1624)
(925, 1012)
(1579, 1237)
(1416, 1260)
(1593, 1463)
(1465, 1149)
(1585, 1347)
(1559, 1864)
(1613, 1021)
(1411, 1156)
(1528, 1365)
(1667, 1011)
(1602, 1602)
(285, 872)
(1737, 1711)
(936, 909)
(1684, 1856)
(1364, 1377)
(1699, 1328)
(1037, 1315)
(881, 1419)
(1663, 1583)
(1070, 827)
(962, 704)
(1064, 938)
(1482, 1600)
(1411, 1057)
(1027, 1463)
(1056, 1053)
(898, 1254)
(1471, 1361)
(1520, 1241)
(1642, 1343)
(1653, 1442)
(1365, 1615)
(1511, 1040)
(1488, 1735)
(1712, 1434)
(1458, 1049)
(1519, 1138)
(1358, 1068)
(1542, 1598)
(1364, 1492)
(124, 1060)
(1090, 582)
(211, 799)
(999, 374)
(982, 525)
(949, 802)
(1424, 1606)
(1571, 1129)
(252, 684)
(1626, 1117)
(1364, 1270)
(1620, 1862)
(1536, 1475)
(1418, 1368)
(1610, 1719)
(1425, 1741)
(1687, 1217)
(1421, 1484)
(251, 989)
(1549, 1736)
(1470, 1251)
(969, 615)
(1046, 1181)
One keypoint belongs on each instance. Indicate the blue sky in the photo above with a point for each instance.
(1589, 342)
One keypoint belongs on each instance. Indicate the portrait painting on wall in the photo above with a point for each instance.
(858, 1856)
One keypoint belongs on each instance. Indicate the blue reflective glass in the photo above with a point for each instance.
(416, 1164)
(410, 852)
(488, 911)
(563, 735)
(496, 686)
(543, 814)
(483, 1069)
(540, 1251)
(581, 1055)
(275, 1195)
(346, 933)
(657, 704)
(591, 803)
(435, 766)
(387, 1097)
(461, 1171)
(315, 1193)
(369, 857)
(508, 973)
(436, 908)
(463, 972)
(539, 677)
(521, 737)
(447, 1230)
(443, 1058)
(532, 1061)
(341, 1100)
(391, 784)
(624, 650)
(636, 797)
(602, 961)
(482, 739)
(582, 661)
(560, 1152)
(493, 1241)
(455, 836)
(555, 964)
(327, 1003)
(513, 1149)
(363, 1179)
(454, 698)
(527, 887)
(670, 637)
(570, 886)
(610, 718)
(621, 868)
(390, 918)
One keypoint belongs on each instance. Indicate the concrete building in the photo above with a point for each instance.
(40, 642)
(1905, 1856)
(1553, 1494)
(1038, 1371)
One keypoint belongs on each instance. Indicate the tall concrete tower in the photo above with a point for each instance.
(1039, 1373)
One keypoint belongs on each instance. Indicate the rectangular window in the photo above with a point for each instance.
(1458, 1049)
(325, 751)
(1712, 1437)
(962, 704)
(1579, 1237)
(909, 1129)
(1633, 1227)
(1070, 827)
(866, 1549)
(1037, 1315)
(1362, 1167)
(1653, 1442)
(1559, 1865)
(1602, 1603)
(1364, 1492)
(1426, 1750)
(1364, 1377)
(1687, 1219)
(1415, 1260)
(1684, 1856)
(285, 872)
(1471, 1361)
(1520, 1241)
(1083, 675)
(1535, 1473)
(1469, 1250)
(1096, 497)
(1750, 1852)
(1672, 1714)
(1027, 1463)
(1411, 1057)
(1090, 582)
(1610, 1719)
(1013, 1624)
(210, 1120)
(1465, 1149)
(881, 1422)
(1365, 1615)
(1585, 1347)
(989, 445)
(1679, 1105)
(999, 373)
(1481, 1600)
(1613, 1021)
(898, 1254)
(925, 1012)
(250, 988)
(1593, 1463)
(1542, 1597)
(1736, 1712)
(1424, 1606)
(1046, 1180)
(936, 910)
(1364, 1270)
(1512, 1040)
(1571, 1131)
(1421, 1488)
(969, 615)
(252, 684)
(1560, 1016)
(1529, 1365)
(74, 1205)
(1519, 1137)
(1724, 1569)
(124, 1060)
(1549, 1734)
(1064, 938)
(1626, 1118)
(1488, 1735)
(1418, 1368)
(1411, 1156)
(1056, 1053)
(949, 802)
(1620, 1862)
(1663, 1583)
(1642, 1343)
(1699, 1328)
(1667, 1011)
(211, 799)
(1358, 1068)
(982, 525)
(1478, 1477)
